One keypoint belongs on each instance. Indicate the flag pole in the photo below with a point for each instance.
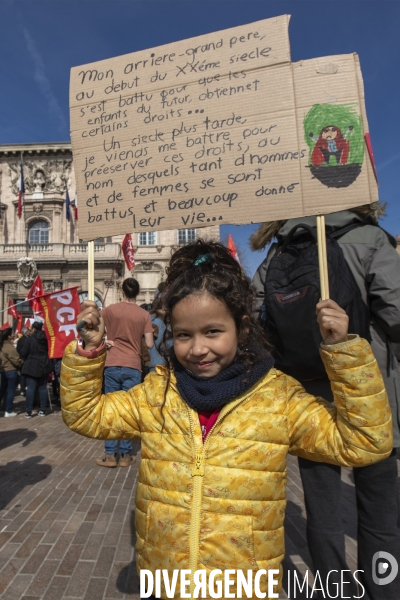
(91, 270)
(322, 257)
(16, 304)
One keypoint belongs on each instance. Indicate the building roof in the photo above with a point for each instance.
(35, 149)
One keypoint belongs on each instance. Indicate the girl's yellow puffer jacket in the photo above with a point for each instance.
(221, 505)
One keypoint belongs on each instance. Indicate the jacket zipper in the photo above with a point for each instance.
(197, 474)
(194, 530)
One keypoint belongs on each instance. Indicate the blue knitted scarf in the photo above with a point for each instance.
(207, 394)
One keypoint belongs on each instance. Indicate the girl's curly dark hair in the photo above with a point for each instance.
(204, 266)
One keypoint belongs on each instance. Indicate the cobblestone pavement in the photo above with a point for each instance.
(66, 525)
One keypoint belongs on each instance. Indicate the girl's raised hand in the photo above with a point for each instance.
(92, 332)
(333, 322)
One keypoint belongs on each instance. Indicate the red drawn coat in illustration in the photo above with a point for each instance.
(330, 142)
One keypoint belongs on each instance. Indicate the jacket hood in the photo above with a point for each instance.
(369, 213)
(41, 337)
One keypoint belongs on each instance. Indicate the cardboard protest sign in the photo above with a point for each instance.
(221, 128)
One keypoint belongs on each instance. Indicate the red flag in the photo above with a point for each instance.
(232, 248)
(128, 251)
(60, 311)
(367, 137)
(19, 324)
(12, 310)
(21, 191)
(76, 208)
(5, 326)
(35, 291)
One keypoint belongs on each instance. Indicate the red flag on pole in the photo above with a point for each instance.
(232, 248)
(35, 291)
(12, 310)
(128, 251)
(76, 208)
(60, 311)
(4, 326)
(19, 324)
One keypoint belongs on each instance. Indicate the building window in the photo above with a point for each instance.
(25, 309)
(186, 235)
(39, 233)
(149, 238)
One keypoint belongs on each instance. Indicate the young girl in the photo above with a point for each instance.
(217, 422)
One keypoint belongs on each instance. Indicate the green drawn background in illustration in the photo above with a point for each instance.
(340, 115)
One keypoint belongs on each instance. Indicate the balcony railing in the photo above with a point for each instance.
(58, 251)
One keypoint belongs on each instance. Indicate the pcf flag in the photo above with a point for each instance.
(19, 324)
(12, 310)
(60, 311)
(128, 251)
(35, 291)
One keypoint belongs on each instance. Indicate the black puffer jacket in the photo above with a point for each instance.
(34, 353)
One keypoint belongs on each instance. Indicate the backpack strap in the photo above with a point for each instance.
(338, 233)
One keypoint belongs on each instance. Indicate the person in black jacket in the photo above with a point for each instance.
(36, 369)
(26, 332)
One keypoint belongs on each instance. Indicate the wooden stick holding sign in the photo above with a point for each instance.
(322, 257)
(81, 326)
(91, 270)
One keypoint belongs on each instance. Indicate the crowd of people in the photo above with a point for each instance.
(24, 362)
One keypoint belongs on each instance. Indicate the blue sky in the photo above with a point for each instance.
(41, 40)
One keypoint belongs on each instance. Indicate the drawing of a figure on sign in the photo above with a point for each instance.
(334, 136)
(330, 142)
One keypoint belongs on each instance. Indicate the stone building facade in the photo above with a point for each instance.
(44, 241)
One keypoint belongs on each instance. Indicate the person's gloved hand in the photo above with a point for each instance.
(90, 325)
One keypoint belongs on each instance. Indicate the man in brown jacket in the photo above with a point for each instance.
(10, 364)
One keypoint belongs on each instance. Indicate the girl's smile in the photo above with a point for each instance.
(205, 337)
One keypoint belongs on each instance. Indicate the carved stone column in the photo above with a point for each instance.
(57, 233)
(2, 315)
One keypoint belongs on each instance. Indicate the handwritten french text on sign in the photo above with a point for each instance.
(212, 130)
(60, 311)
